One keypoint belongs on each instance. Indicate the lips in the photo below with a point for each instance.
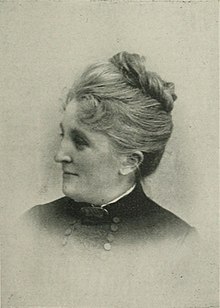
(69, 173)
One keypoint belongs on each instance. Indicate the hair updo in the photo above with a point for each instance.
(129, 104)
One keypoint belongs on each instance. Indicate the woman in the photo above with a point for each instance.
(116, 123)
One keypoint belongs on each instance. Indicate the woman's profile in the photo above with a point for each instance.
(100, 242)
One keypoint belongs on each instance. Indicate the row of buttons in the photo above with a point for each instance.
(110, 237)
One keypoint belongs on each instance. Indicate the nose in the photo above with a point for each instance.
(61, 156)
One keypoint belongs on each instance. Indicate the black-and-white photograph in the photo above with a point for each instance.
(110, 141)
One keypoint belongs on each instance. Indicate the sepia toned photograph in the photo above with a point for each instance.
(110, 141)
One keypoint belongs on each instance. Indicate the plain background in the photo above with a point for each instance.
(45, 44)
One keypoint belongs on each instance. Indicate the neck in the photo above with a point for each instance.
(112, 194)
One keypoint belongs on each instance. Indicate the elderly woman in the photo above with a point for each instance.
(117, 121)
(101, 241)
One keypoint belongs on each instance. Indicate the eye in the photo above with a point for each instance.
(80, 142)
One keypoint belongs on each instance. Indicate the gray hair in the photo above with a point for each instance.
(131, 105)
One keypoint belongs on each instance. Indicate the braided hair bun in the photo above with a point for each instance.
(132, 67)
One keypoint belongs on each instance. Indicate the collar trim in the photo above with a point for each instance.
(118, 198)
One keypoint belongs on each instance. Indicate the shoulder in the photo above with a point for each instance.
(140, 205)
(155, 220)
(50, 213)
(164, 224)
(162, 215)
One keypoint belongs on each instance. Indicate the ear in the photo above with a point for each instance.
(131, 162)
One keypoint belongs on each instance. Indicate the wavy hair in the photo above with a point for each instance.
(129, 104)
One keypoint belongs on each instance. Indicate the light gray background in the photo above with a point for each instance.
(45, 44)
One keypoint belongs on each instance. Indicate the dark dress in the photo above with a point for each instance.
(75, 255)
(140, 216)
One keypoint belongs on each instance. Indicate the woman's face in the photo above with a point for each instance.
(91, 168)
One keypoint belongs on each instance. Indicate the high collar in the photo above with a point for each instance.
(126, 207)
(120, 197)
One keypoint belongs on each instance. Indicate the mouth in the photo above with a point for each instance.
(69, 173)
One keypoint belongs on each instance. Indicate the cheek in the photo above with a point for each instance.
(109, 163)
(86, 163)
(95, 163)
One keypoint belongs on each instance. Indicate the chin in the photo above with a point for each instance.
(71, 193)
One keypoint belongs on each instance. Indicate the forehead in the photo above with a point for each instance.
(70, 113)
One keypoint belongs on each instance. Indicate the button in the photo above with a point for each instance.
(110, 237)
(107, 246)
(116, 220)
(68, 232)
(114, 227)
(64, 241)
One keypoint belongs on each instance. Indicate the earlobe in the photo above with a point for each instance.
(131, 162)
